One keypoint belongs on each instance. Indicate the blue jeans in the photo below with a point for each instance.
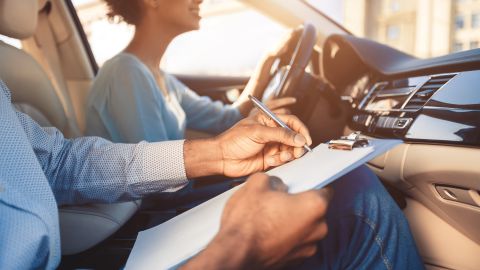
(367, 230)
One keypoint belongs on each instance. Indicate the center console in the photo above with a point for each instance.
(441, 108)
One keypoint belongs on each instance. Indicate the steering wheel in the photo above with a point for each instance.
(288, 68)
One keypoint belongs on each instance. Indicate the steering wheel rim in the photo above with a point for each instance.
(288, 76)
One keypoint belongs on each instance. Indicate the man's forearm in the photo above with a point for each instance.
(202, 157)
(78, 168)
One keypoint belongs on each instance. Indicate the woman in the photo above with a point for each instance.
(132, 99)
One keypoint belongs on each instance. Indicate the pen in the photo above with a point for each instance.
(272, 116)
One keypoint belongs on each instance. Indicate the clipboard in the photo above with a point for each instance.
(172, 243)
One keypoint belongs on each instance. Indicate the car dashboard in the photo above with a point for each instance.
(437, 108)
(433, 105)
(435, 101)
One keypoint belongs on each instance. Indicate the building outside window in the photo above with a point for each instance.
(393, 32)
(459, 22)
(394, 6)
(457, 47)
(420, 28)
(476, 20)
(473, 45)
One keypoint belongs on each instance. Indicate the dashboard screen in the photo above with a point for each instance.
(386, 103)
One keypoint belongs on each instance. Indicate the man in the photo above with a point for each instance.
(262, 225)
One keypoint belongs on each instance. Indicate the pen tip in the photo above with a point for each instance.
(308, 148)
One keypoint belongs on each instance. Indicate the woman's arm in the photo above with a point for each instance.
(203, 113)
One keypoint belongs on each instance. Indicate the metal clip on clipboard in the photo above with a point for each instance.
(349, 142)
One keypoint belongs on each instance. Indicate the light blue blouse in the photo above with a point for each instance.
(126, 105)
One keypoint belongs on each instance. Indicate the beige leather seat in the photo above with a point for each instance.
(81, 227)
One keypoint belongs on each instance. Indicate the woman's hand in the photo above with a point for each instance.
(261, 76)
(277, 106)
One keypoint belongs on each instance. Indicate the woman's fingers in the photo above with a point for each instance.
(280, 102)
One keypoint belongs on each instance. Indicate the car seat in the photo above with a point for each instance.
(81, 227)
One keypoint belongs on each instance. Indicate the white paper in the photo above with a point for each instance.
(175, 241)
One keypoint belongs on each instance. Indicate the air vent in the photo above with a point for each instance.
(420, 98)
(372, 93)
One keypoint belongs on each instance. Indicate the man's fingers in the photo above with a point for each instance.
(327, 192)
(318, 233)
(264, 134)
(315, 201)
(278, 159)
(298, 152)
(258, 181)
(264, 181)
(277, 184)
(303, 252)
(293, 122)
(284, 147)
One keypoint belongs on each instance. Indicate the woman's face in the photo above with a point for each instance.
(181, 15)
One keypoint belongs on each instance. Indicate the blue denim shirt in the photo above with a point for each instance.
(40, 169)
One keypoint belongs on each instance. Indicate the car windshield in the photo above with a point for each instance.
(420, 28)
(227, 26)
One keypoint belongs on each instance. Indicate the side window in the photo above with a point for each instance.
(231, 40)
(106, 38)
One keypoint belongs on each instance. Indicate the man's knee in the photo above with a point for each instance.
(362, 192)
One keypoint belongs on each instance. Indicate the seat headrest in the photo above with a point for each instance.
(18, 18)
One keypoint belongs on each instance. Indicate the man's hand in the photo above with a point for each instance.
(254, 144)
(263, 226)
(257, 143)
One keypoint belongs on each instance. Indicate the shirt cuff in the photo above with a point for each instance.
(163, 163)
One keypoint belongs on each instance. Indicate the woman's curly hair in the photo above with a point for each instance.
(129, 11)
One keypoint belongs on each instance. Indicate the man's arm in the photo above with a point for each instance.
(254, 144)
(92, 169)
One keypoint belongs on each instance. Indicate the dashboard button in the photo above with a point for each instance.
(386, 122)
(401, 123)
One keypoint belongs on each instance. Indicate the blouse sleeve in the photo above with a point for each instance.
(203, 113)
